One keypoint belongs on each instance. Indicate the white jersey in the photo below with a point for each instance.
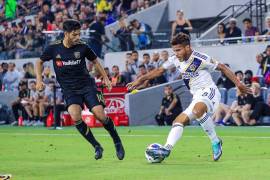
(195, 71)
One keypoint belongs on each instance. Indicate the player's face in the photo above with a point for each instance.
(74, 37)
(181, 52)
(168, 91)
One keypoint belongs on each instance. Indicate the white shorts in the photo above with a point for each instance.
(209, 96)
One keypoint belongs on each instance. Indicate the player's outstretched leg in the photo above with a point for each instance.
(75, 113)
(175, 134)
(107, 122)
(208, 126)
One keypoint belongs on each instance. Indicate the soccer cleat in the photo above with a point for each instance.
(98, 152)
(164, 152)
(120, 151)
(217, 150)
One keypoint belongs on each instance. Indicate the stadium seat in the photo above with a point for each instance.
(223, 92)
(231, 96)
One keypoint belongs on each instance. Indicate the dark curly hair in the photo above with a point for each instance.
(180, 39)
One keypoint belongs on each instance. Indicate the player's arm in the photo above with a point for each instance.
(151, 75)
(228, 73)
(101, 70)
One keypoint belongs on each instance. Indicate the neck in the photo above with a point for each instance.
(66, 43)
(187, 56)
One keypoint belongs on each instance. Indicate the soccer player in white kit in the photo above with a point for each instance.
(195, 68)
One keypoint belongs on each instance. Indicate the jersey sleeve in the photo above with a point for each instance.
(89, 54)
(209, 64)
(47, 54)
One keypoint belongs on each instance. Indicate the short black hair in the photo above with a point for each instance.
(180, 39)
(247, 20)
(239, 72)
(142, 66)
(249, 72)
(71, 25)
(146, 54)
(134, 52)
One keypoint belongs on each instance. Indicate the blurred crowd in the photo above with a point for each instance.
(250, 32)
(23, 36)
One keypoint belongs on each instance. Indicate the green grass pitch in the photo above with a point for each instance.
(39, 153)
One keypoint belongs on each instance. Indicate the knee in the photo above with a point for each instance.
(76, 116)
(197, 113)
(182, 118)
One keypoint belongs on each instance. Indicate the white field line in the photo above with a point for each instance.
(128, 135)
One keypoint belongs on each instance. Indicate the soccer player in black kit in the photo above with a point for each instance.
(77, 85)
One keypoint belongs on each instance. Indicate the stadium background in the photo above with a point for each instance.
(28, 26)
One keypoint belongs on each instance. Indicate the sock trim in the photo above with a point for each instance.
(177, 124)
(204, 119)
(78, 122)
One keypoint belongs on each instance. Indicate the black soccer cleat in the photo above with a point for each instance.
(120, 151)
(98, 152)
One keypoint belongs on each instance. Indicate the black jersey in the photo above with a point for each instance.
(69, 65)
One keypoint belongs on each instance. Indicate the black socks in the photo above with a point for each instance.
(86, 133)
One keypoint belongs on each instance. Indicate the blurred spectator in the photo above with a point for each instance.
(4, 69)
(132, 65)
(117, 78)
(124, 36)
(97, 36)
(156, 61)
(241, 108)
(221, 31)
(164, 55)
(181, 24)
(239, 75)
(11, 78)
(18, 104)
(48, 16)
(250, 30)
(261, 109)
(144, 34)
(224, 81)
(29, 72)
(222, 115)
(146, 60)
(170, 107)
(257, 99)
(233, 31)
(267, 26)
(248, 77)
(173, 74)
(142, 71)
(264, 60)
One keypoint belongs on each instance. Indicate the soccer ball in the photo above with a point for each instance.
(149, 153)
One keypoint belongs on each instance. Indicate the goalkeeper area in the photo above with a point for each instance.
(37, 153)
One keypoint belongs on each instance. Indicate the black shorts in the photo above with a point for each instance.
(90, 98)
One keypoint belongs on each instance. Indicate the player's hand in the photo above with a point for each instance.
(134, 84)
(244, 89)
(40, 86)
(108, 84)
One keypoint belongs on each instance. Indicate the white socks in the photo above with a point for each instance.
(174, 135)
(208, 126)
